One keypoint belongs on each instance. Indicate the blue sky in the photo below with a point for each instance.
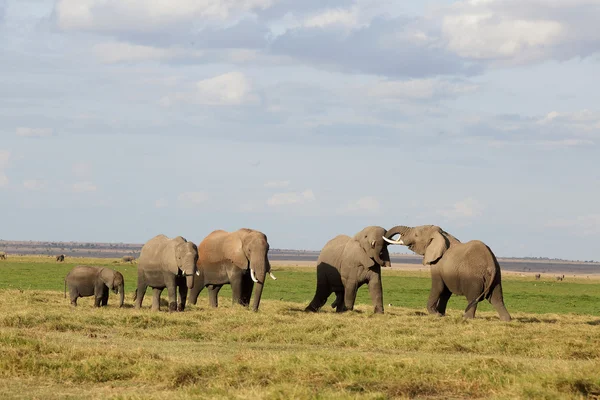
(121, 120)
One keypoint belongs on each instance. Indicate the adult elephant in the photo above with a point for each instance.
(238, 258)
(468, 269)
(128, 259)
(86, 280)
(346, 263)
(2, 255)
(166, 263)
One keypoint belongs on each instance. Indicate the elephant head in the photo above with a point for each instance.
(430, 241)
(186, 255)
(256, 247)
(115, 282)
(371, 240)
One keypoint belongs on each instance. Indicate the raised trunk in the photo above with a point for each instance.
(260, 268)
(395, 230)
(121, 294)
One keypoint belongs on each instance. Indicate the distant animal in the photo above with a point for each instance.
(537, 277)
(345, 264)
(128, 259)
(238, 258)
(85, 280)
(560, 277)
(469, 269)
(60, 258)
(2, 255)
(166, 263)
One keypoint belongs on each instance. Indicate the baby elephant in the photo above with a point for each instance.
(84, 280)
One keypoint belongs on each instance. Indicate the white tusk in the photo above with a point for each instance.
(197, 272)
(252, 276)
(272, 276)
(399, 241)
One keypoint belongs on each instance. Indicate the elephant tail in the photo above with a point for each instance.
(135, 294)
(492, 269)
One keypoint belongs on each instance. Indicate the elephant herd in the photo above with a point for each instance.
(345, 263)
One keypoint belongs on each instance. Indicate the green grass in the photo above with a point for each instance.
(294, 284)
(50, 350)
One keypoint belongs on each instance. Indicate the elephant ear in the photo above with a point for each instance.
(108, 277)
(436, 248)
(233, 250)
(169, 255)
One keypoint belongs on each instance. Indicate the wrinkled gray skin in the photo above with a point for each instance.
(128, 259)
(468, 269)
(2, 255)
(60, 258)
(85, 280)
(232, 258)
(345, 264)
(166, 263)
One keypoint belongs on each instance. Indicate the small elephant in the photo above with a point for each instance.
(60, 258)
(166, 263)
(2, 255)
(238, 258)
(128, 259)
(345, 264)
(85, 280)
(560, 277)
(537, 277)
(469, 269)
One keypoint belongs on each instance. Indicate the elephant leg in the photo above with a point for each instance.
(339, 299)
(497, 300)
(172, 294)
(183, 291)
(376, 292)
(349, 296)
(140, 292)
(322, 293)
(443, 301)
(236, 289)
(73, 295)
(156, 299)
(437, 287)
(98, 293)
(198, 286)
(213, 295)
(247, 286)
(105, 292)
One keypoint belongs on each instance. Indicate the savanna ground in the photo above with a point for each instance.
(50, 350)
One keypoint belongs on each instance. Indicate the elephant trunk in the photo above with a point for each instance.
(189, 269)
(121, 294)
(402, 230)
(379, 244)
(258, 270)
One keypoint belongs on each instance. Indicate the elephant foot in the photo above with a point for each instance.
(180, 307)
(310, 309)
(505, 318)
(378, 310)
(172, 306)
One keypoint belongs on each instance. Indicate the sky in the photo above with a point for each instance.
(120, 120)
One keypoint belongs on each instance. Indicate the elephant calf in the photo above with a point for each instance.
(84, 281)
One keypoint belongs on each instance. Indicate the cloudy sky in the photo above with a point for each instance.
(120, 120)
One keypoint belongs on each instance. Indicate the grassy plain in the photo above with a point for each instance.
(49, 350)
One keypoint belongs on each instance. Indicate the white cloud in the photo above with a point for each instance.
(521, 32)
(232, 88)
(161, 203)
(280, 199)
(335, 17)
(191, 199)
(277, 184)
(467, 208)
(34, 132)
(115, 52)
(81, 169)
(582, 120)
(145, 15)
(364, 205)
(4, 159)
(419, 89)
(82, 187)
(34, 184)
(585, 225)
